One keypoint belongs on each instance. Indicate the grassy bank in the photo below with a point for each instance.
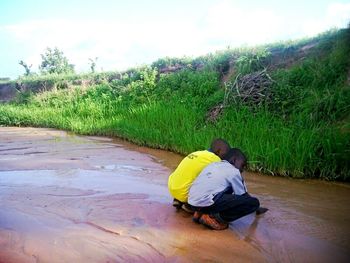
(300, 128)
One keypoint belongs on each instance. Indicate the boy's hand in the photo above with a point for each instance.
(261, 210)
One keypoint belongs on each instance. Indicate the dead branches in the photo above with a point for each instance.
(253, 88)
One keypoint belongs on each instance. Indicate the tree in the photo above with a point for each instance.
(53, 61)
(93, 64)
(26, 67)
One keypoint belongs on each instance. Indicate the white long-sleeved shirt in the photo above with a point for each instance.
(214, 179)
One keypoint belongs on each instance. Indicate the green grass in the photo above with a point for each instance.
(273, 146)
(301, 131)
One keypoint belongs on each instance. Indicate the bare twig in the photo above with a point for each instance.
(253, 87)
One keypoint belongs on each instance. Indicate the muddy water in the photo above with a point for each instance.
(66, 198)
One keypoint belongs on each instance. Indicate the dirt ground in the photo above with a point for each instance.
(67, 198)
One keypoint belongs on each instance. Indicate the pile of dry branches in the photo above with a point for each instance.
(253, 88)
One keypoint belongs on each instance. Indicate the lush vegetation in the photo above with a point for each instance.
(301, 129)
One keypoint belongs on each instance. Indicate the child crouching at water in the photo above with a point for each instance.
(189, 168)
(219, 194)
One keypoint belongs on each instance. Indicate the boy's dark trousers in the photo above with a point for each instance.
(231, 207)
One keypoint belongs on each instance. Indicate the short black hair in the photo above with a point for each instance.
(220, 147)
(237, 154)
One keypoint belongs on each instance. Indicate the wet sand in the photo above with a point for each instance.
(67, 198)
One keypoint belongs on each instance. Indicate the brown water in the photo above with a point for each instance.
(66, 198)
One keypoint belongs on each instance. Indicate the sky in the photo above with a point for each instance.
(129, 33)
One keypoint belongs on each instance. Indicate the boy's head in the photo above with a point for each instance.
(220, 147)
(237, 158)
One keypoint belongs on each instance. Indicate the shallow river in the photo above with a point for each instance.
(67, 198)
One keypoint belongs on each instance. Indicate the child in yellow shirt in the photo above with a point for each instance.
(189, 168)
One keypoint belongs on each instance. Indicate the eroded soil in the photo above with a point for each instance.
(67, 198)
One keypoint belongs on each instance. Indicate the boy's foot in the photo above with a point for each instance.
(261, 210)
(187, 208)
(212, 223)
(177, 204)
(197, 215)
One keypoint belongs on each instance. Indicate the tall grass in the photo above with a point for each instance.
(273, 146)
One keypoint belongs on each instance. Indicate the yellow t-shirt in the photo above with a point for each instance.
(181, 179)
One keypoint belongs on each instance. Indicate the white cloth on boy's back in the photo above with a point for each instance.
(214, 179)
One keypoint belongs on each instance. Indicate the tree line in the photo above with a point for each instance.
(53, 61)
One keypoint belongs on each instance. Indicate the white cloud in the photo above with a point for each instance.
(234, 25)
(79, 40)
(120, 45)
(337, 15)
(113, 42)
